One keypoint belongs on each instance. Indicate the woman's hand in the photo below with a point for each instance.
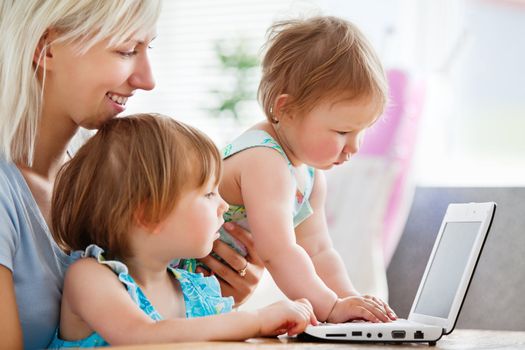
(286, 316)
(239, 276)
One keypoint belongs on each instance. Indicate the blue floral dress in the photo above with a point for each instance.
(202, 297)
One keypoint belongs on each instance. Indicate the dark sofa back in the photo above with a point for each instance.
(496, 297)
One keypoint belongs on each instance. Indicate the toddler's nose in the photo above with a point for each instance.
(223, 207)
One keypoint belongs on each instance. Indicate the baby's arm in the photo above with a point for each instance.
(268, 191)
(95, 300)
(314, 237)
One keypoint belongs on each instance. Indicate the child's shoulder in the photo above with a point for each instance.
(88, 270)
(255, 146)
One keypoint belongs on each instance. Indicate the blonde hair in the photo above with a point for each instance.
(23, 24)
(317, 58)
(136, 165)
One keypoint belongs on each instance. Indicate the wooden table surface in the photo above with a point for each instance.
(458, 340)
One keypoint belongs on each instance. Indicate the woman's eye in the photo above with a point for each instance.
(127, 53)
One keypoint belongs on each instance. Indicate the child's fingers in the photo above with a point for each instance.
(382, 305)
(389, 311)
(305, 302)
(279, 332)
(313, 319)
(378, 312)
(308, 311)
(366, 314)
(374, 301)
(296, 329)
(301, 321)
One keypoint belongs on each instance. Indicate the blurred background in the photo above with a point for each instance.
(456, 115)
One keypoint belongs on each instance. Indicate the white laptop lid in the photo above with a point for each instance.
(451, 264)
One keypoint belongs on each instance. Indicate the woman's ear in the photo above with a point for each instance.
(279, 108)
(43, 52)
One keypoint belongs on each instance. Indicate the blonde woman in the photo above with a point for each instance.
(65, 64)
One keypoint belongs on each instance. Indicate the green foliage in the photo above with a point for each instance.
(237, 64)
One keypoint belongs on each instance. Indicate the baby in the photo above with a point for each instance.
(322, 86)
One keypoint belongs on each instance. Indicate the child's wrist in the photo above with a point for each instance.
(258, 322)
(332, 308)
(351, 293)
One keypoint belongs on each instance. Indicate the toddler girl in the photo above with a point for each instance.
(322, 86)
(139, 194)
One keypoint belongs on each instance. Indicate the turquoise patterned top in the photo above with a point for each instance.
(237, 213)
(202, 297)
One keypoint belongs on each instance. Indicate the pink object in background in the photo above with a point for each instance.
(393, 138)
(380, 141)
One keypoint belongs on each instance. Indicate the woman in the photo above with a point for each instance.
(66, 64)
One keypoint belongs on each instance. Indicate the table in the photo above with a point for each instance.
(460, 339)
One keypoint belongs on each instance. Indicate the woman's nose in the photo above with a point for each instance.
(142, 77)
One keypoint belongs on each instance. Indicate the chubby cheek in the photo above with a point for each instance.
(204, 247)
(206, 234)
(323, 150)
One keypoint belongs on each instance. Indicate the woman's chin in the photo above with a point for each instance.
(96, 122)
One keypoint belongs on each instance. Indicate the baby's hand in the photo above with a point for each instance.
(286, 316)
(360, 307)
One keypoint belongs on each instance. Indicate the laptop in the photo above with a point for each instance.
(441, 291)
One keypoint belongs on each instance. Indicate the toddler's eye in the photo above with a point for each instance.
(210, 195)
(342, 132)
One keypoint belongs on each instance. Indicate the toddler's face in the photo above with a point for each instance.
(331, 133)
(193, 225)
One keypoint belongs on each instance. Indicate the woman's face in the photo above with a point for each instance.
(90, 88)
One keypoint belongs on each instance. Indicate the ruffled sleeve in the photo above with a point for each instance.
(120, 269)
(202, 295)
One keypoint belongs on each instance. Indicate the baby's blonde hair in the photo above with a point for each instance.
(136, 165)
(23, 24)
(315, 59)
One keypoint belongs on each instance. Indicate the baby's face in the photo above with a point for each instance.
(331, 133)
(193, 225)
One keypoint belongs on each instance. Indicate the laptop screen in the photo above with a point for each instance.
(447, 268)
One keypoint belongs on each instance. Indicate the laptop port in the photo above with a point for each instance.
(419, 335)
(357, 334)
(398, 334)
(335, 335)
